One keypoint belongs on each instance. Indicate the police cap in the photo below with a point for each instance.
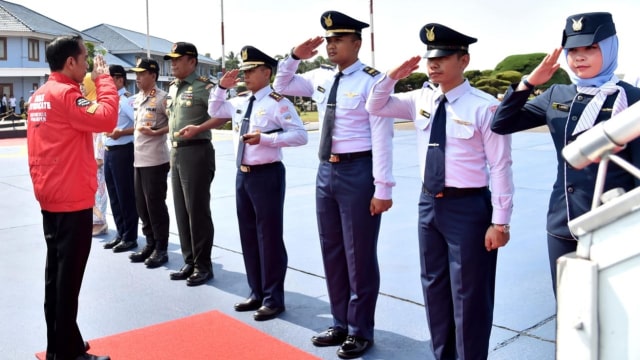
(117, 70)
(182, 48)
(443, 41)
(587, 29)
(146, 65)
(252, 57)
(337, 24)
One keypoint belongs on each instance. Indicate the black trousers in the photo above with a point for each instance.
(192, 171)
(151, 195)
(118, 175)
(68, 238)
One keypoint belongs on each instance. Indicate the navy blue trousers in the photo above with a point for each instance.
(118, 175)
(68, 238)
(349, 240)
(260, 207)
(457, 273)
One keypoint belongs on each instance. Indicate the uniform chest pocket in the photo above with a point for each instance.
(460, 129)
(348, 103)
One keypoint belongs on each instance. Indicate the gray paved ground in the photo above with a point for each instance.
(118, 296)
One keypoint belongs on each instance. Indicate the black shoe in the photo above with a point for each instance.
(331, 337)
(183, 274)
(124, 246)
(111, 244)
(267, 313)
(157, 259)
(248, 305)
(353, 347)
(142, 255)
(87, 356)
(199, 277)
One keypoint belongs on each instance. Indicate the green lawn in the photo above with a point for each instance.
(309, 116)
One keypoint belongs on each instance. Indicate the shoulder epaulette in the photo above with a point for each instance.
(371, 71)
(276, 96)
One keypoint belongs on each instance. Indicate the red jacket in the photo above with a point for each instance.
(60, 128)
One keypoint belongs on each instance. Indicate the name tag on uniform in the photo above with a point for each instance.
(560, 107)
(425, 113)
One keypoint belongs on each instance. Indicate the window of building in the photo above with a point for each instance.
(34, 50)
(3, 48)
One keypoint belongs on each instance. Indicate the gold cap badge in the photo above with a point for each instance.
(245, 55)
(431, 35)
(577, 24)
(327, 21)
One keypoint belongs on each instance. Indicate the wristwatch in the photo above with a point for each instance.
(503, 228)
(526, 82)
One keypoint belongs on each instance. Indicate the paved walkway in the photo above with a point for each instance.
(118, 296)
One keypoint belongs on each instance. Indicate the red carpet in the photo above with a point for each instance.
(206, 336)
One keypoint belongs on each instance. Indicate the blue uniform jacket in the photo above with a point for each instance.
(560, 107)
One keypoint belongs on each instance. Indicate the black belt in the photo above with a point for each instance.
(336, 158)
(117, 147)
(250, 168)
(177, 144)
(454, 192)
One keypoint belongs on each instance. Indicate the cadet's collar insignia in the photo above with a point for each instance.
(204, 79)
(425, 113)
(152, 93)
(577, 24)
(321, 89)
(431, 35)
(274, 95)
(351, 94)
(327, 20)
(245, 56)
(371, 71)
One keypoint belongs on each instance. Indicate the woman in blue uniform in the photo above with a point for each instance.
(590, 45)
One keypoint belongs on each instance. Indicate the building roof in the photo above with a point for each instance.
(123, 41)
(17, 18)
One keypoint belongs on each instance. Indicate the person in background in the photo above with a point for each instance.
(193, 164)
(461, 222)
(60, 129)
(354, 179)
(118, 170)
(263, 123)
(13, 103)
(21, 104)
(151, 164)
(100, 226)
(590, 45)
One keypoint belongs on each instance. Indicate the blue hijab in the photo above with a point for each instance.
(609, 50)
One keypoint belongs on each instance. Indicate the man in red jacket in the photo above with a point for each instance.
(63, 170)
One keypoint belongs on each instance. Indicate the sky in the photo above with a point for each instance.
(503, 27)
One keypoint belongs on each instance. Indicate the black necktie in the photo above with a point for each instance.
(434, 167)
(243, 130)
(329, 121)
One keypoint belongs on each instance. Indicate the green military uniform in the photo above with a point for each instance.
(193, 168)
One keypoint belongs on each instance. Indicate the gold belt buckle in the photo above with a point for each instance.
(174, 144)
(245, 168)
(334, 158)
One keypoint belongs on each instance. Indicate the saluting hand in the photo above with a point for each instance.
(229, 79)
(545, 70)
(308, 49)
(405, 69)
(99, 67)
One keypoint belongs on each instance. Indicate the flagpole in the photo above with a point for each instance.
(373, 56)
(222, 33)
(148, 41)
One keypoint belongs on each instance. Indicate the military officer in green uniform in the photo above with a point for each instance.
(192, 163)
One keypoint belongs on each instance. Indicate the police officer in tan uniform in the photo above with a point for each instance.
(151, 163)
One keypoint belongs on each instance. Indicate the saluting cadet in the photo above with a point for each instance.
(460, 220)
(193, 163)
(590, 46)
(263, 122)
(151, 163)
(354, 180)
